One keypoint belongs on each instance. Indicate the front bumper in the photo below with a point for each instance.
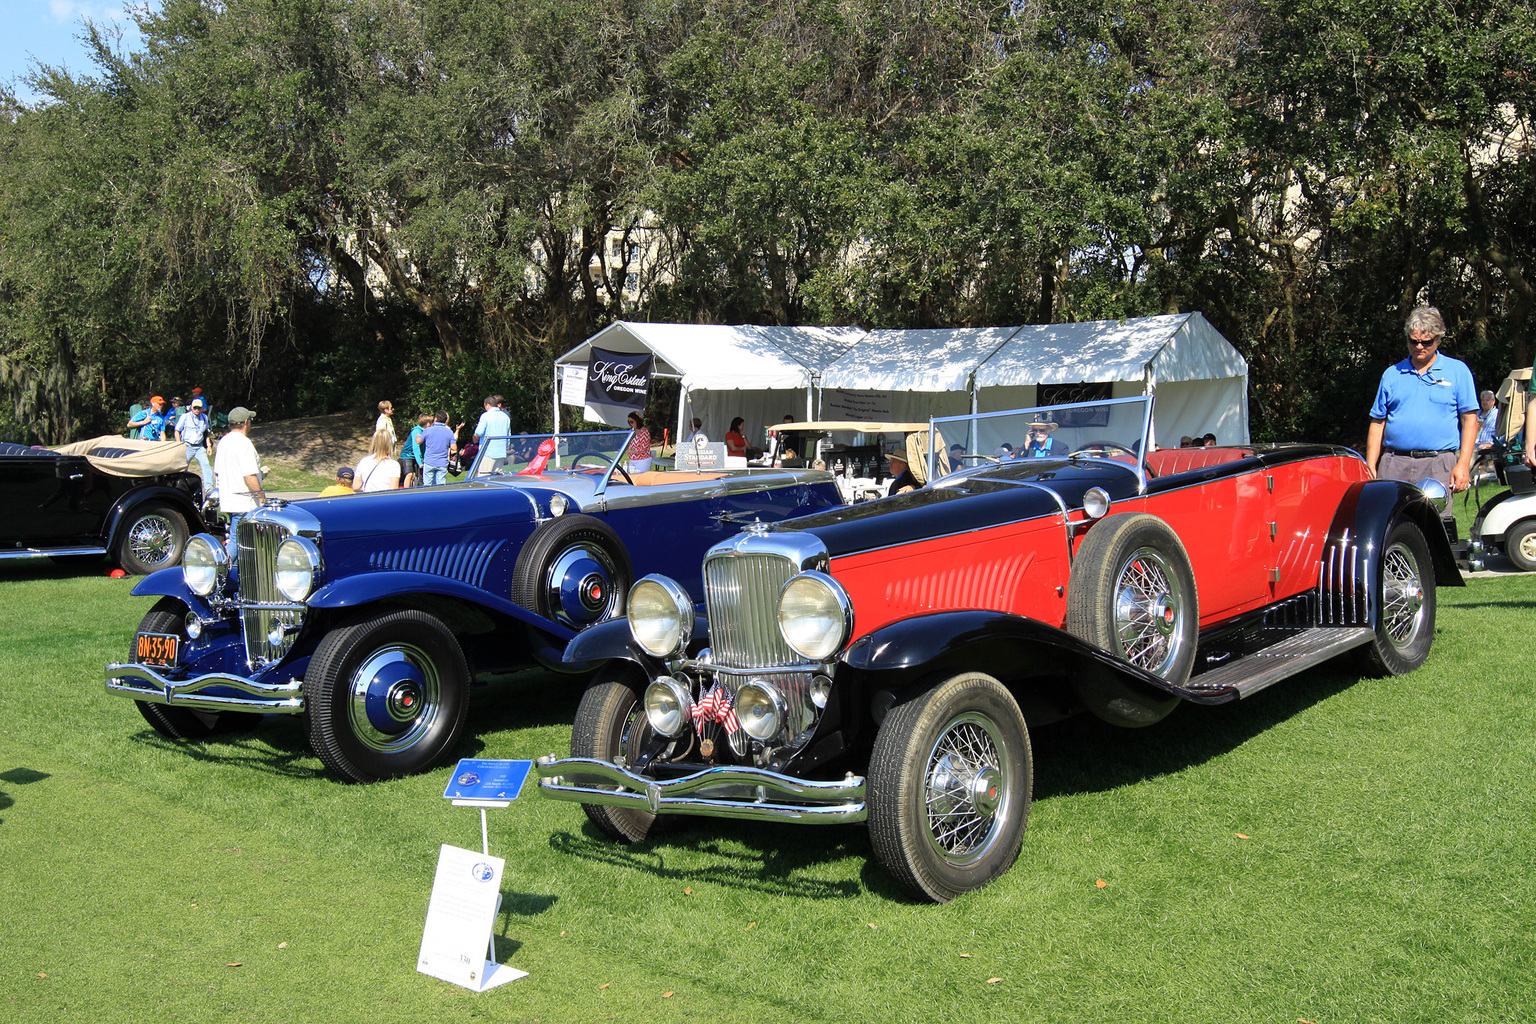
(722, 792)
(140, 682)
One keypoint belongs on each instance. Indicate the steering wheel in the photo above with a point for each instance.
(603, 460)
(1107, 445)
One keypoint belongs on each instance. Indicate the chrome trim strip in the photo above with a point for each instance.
(266, 698)
(823, 802)
(37, 554)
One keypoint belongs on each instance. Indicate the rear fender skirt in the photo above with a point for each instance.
(369, 587)
(1371, 507)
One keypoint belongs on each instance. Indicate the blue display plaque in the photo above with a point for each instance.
(484, 782)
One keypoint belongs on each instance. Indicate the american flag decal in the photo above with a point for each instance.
(715, 706)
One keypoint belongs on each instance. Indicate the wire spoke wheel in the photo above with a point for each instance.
(949, 787)
(967, 775)
(152, 539)
(1148, 603)
(1405, 615)
(1402, 595)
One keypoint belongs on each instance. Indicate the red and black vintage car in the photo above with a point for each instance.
(886, 662)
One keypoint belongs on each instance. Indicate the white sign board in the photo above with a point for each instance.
(700, 457)
(460, 916)
(840, 404)
(573, 384)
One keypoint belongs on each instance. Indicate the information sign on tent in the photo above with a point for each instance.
(618, 383)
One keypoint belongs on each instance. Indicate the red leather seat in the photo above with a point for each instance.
(1168, 461)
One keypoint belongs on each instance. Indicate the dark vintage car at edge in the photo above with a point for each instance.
(886, 662)
(130, 500)
(372, 613)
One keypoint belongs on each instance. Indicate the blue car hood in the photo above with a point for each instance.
(422, 509)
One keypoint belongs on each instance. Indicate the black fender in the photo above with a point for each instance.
(913, 652)
(1369, 511)
(611, 640)
(158, 494)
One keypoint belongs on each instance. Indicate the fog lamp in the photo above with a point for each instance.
(668, 706)
(760, 708)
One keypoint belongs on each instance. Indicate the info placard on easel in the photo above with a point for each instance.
(460, 916)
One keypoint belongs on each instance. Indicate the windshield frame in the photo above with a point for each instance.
(557, 462)
(936, 431)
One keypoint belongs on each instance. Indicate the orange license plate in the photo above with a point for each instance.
(157, 649)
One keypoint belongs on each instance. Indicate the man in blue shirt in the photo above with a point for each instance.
(1424, 419)
(151, 422)
(436, 446)
(192, 431)
(1040, 444)
(1487, 433)
(492, 431)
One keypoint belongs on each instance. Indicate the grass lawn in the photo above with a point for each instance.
(1337, 848)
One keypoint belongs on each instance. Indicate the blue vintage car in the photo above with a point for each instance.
(373, 612)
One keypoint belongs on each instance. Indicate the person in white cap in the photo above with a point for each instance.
(192, 431)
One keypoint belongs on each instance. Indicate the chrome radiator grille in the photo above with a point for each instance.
(741, 592)
(261, 605)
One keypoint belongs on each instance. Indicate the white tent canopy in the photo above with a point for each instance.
(763, 373)
(758, 373)
(1201, 381)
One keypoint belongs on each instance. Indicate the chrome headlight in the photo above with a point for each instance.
(660, 616)
(558, 505)
(761, 710)
(668, 706)
(204, 565)
(815, 615)
(298, 568)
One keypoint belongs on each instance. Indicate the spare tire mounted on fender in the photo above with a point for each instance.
(1132, 593)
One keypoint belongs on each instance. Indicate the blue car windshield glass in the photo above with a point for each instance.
(594, 453)
(986, 443)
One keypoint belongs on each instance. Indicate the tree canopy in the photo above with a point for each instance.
(305, 203)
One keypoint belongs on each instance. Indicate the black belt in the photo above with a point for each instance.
(1421, 453)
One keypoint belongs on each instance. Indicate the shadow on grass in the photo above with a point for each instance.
(277, 748)
(17, 777)
(1085, 755)
(532, 698)
(61, 568)
(775, 855)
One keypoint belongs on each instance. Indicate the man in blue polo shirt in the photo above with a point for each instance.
(492, 431)
(1424, 419)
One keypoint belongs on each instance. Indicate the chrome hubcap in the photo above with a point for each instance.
(394, 698)
(1402, 595)
(967, 792)
(1149, 604)
(152, 540)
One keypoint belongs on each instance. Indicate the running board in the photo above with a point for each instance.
(1253, 672)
